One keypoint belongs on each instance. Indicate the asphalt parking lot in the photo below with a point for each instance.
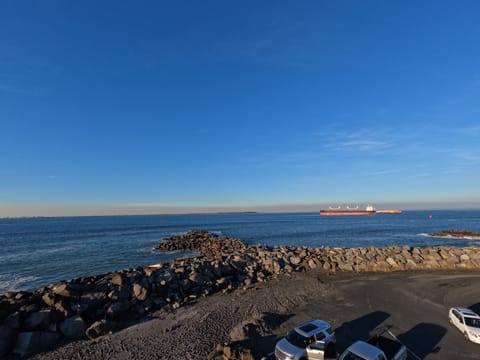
(415, 304)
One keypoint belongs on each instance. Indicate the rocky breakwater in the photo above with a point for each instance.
(36, 321)
(207, 243)
(459, 234)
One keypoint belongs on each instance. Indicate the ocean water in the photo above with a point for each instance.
(39, 251)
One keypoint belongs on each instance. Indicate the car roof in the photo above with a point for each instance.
(364, 350)
(312, 327)
(466, 312)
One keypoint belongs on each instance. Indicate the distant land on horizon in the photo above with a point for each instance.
(57, 210)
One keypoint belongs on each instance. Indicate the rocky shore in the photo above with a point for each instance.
(32, 322)
(461, 234)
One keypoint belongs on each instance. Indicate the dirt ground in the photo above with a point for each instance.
(416, 304)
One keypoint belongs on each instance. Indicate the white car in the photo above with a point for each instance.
(311, 340)
(467, 321)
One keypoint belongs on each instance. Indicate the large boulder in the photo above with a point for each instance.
(65, 290)
(140, 292)
(73, 327)
(99, 328)
(93, 300)
(7, 336)
(117, 309)
(29, 343)
(39, 320)
(13, 321)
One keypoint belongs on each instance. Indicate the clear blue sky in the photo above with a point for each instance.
(238, 103)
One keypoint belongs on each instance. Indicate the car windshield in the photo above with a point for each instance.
(472, 322)
(298, 340)
(347, 355)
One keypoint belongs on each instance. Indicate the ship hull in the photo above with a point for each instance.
(346, 212)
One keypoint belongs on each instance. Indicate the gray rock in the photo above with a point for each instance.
(29, 343)
(7, 336)
(118, 279)
(99, 328)
(199, 278)
(295, 260)
(38, 320)
(464, 257)
(391, 262)
(49, 299)
(14, 321)
(93, 300)
(64, 290)
(73, 327)
(117, 309)
(125, 292)
(140, 292)
(63, 309)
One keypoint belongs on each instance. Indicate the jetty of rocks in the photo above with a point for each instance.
(461, 234)
(35, 321)
(209, 244)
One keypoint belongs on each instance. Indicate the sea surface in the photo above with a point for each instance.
(35, 252)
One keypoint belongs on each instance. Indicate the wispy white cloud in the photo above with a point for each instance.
(451, 172)
(465, 155)
(365, 140)
(386, 172)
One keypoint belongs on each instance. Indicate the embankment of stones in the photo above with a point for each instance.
(460, 234)
(32, 322)
(207, 243)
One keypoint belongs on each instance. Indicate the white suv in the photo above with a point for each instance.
(467, 321)
(310, 340)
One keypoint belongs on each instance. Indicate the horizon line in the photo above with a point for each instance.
(240, 212)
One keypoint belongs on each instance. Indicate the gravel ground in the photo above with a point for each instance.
(416, 304)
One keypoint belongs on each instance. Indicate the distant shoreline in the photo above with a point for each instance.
(313, 211)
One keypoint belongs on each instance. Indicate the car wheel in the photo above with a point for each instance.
(330, 351)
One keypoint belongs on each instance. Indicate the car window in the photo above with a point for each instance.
(329, 330)
(472, 322)
(457, 315)
(347, 355)
(297, 340)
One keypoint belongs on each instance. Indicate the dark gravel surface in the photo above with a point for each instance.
(416, 304)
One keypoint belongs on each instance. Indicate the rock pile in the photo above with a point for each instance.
(35, 321)
(207, 243)
(461, 234)
(230, 352)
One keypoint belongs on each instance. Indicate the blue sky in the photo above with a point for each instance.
(214, 104)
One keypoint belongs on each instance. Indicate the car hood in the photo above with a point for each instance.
(288, 348)
(473, 329)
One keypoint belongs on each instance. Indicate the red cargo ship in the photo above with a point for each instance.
(369, 210)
